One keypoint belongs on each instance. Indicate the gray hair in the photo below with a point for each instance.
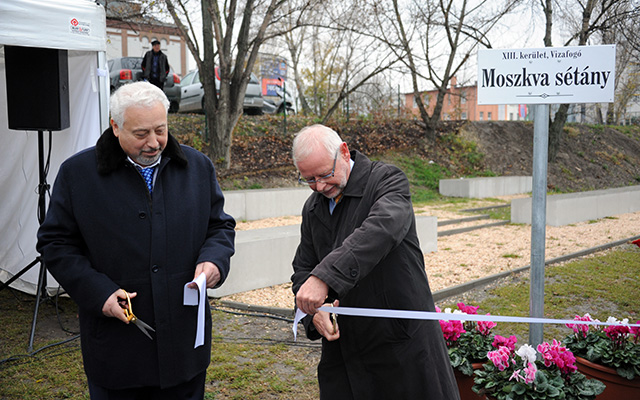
(136, 94)
(310, 138)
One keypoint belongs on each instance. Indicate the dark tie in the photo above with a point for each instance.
(147, 174)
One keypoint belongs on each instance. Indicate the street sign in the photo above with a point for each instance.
(547, 75)
(543, 76)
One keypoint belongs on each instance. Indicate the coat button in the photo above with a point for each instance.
(353, 273)
(142, 215)
(155, 268)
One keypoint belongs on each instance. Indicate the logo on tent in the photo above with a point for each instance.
(79, 27)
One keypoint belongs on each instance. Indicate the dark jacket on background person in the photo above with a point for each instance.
(163, 66)
(104, 231)
(368, 254)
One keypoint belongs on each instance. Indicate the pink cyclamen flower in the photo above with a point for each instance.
(499, 341)
(617, 332)
(467, 309)
(451, 330)
(580, 329)
(530, 373)
(558, 355)
(635, 331)
(484, 327)
(516, 376)
(500, 358)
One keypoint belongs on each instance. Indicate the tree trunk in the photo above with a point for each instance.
(611, 117)
(220, 146)
(556, 131)
(599, 119)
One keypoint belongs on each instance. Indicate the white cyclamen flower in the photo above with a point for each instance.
(527, 353)
(612, 320)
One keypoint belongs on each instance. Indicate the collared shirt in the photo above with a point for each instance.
(155, 164)
(155, 68)
(334, 202)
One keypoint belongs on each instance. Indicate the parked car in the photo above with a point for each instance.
(192, 94)
(129, 69)
(276, 105)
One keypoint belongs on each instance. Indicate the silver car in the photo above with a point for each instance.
(128, 69)
(192, 94)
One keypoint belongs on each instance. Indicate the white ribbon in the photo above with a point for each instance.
(430, 315)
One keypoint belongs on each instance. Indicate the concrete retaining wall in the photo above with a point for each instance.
(263, 256)
(564, 209)
(485, 187)
(248, 205)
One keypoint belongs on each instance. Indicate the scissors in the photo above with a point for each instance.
(334, 321)
(128, 312)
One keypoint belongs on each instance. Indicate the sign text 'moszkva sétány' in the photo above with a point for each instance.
(548, 75)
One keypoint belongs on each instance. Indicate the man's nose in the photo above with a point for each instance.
(152, 141)
(320, 186)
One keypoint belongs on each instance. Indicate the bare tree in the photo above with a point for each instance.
(234, 49)
(447, 33)
(594, 16)
(333, 55)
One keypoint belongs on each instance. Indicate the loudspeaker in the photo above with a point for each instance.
(37, 88)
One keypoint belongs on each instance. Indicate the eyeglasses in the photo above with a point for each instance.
(320, 179)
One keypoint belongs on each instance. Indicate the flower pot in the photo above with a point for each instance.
(618, 388)
(465, 383)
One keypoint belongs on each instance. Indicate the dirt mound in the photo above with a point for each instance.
(590, 157)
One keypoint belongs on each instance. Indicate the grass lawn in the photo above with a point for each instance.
(254, 358)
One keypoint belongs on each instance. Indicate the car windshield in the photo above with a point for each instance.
(191, 77)
(132, 63)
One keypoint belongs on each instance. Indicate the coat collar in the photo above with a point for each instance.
(356, 184)
(359, 175)
(110, 155)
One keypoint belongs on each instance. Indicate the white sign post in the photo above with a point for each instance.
(543, 76)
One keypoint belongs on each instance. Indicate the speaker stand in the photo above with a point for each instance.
(41, 291)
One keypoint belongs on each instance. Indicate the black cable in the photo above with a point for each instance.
(265, 341)
(57, 296)
(253, 315)
(24, 357)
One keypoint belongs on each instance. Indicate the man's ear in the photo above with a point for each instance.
(115, 127)
(344, 151)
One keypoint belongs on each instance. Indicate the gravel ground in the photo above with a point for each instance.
(472, 255)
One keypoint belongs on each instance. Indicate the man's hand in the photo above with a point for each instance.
(210, 270)
(325, 325)
(112, 308)
(312, 295)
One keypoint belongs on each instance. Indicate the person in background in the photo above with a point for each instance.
(155, 66)
(138, 215)
(359, 248)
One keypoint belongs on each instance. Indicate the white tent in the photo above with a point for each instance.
(80, 27)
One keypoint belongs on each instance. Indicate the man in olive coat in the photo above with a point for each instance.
(108, 231)
(359, 248)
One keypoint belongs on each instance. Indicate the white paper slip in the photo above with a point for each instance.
(197, 297)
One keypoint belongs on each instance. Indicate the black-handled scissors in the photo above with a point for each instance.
(128, 312)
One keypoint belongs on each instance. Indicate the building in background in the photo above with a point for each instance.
(461, 103)
(130, 33)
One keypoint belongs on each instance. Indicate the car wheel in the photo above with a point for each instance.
(174, 106)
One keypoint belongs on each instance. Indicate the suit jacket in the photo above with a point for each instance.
(103, 231)
(369, 255)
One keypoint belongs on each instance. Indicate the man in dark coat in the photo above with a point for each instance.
(108, 231)
(359, 248)
(155, 66)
